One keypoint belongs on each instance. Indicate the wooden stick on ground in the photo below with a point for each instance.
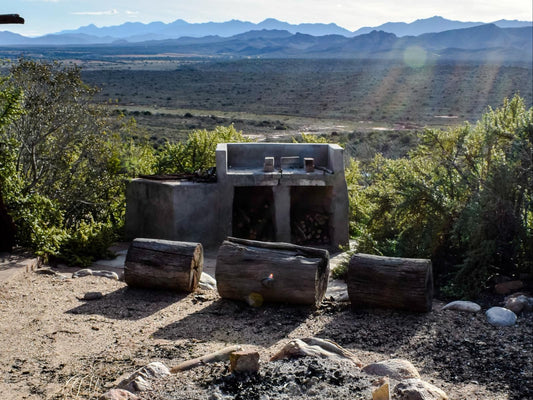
(220, 355)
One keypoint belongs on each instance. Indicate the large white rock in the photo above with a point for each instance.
(416, 389)
(461, 305)
(499, 316)
(395, 368)
(141, 379)
(207, 282)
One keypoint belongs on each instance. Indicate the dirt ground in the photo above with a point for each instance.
(55, 345)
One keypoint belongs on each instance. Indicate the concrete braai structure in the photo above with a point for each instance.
(264, 191)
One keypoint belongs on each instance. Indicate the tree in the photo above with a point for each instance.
(10, 109)
(70, 161)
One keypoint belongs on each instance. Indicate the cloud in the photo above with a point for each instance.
(132, 12)
(107, 12)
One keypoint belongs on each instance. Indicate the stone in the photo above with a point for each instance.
(315, 347)
(106, 274)
(382, 391)
(244, 362)
(395, 368)
(207, 282)
(460, 305)
(499, 316)
(118, 394)
(508, 287)
(141, 379)
(417, 389)
(46, 271)
(93, 296)
(82, 272)
(519, 304)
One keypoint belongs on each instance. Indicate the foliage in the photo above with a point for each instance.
(309, 138)
(197, 153)
(64, 160)
(463, 197)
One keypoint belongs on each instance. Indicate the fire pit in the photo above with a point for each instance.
(264, 191)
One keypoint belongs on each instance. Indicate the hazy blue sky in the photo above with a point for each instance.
(49, 16)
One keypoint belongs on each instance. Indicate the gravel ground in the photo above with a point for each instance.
(55, 345)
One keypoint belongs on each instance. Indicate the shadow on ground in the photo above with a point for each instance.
(459, 347)
(263, 326)
(128, 303)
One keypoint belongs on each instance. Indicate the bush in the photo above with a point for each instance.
(463, 197)
(197, 154)
(64, 162)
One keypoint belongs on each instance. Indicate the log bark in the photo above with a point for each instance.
(272, 272)
(164, 264)
(389, 282)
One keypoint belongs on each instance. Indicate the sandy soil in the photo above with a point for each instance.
(55, 345)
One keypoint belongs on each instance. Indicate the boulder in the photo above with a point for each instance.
(508, 287)
(118, 394)
(416, 389)
(499, 316)
(395, 368)
(141, 379)
(519, 304)
(460, 305)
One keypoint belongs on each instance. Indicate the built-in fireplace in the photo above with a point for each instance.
(264, 191)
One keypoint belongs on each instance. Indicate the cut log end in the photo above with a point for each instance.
(389, 282)
(164, 264)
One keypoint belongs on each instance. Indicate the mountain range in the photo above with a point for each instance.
(479, 43)
(135, 32)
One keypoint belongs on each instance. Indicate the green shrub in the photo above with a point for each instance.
(197, 153)
(63, 162)
(463, 197)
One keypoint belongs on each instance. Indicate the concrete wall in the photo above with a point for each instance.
(250, 155)
(183, 211)
(202, 212)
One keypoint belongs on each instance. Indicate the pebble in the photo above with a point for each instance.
(499, 316)
(93, 296)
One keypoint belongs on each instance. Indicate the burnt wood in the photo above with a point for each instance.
(390, 282)
(164, 264)
(272, 272)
